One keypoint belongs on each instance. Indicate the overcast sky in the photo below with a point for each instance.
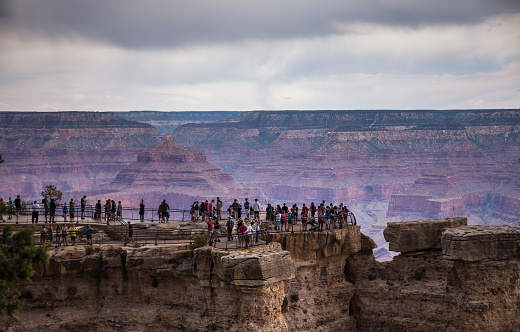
(248, 54)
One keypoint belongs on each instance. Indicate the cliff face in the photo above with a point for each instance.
(173, 172)
(443, 279)
(76, 151)
(385, 165)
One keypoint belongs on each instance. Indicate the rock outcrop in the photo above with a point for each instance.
(78, 152)
(412, 236)
(480, 243)
(325, 282)
(173, 172)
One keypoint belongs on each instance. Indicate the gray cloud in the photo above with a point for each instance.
(165, 24)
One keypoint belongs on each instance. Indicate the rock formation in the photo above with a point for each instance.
(173, 172)
(385, 165)
(76, 151)
(322, 281)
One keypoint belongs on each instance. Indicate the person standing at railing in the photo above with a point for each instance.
(2, 209)
(119, 211)
(73, 232)
(256, 230)
(211, 209)
(141, 210)
(246, 208)
(10, 208)
(72, 209)
(163, 210)
(35, 209)
(18, 205)
(83, 203)
(65, 212)
(219, 208)
(113, 209)
(97, 215)
(58, 236)
(256, 210)
(64, 234)
(230, 224)
(88, 233)
(45, 202)
(52, 207)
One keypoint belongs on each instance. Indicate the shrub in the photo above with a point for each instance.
(199, 241)
(295, 297)
(285, 303)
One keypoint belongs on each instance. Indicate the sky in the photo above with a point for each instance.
(181, 55)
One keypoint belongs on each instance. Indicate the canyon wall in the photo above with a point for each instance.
(385, 165)
(76, 151)
(443, 279)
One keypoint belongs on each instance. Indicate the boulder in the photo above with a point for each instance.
(419, 235)
(478, 243)
(257, 269)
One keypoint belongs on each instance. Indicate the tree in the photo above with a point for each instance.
(52, 192)
(17, 256)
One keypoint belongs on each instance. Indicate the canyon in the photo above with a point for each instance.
(384, 165)
(443, 279)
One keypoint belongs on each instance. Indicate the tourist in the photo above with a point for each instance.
(35, 208)
(219, 208)
(119, 211)
(52, 208)
(278, 221)
(256, 209)
(58, 236)
(249, 233)
(246, 208)
(163, 210)
(196, 210)
(73, 232)
(237, 209)
(49, 233)
(88, 233)
(113, 209)
(202, 211)
(45, 202)
(304, 219)
(64, 234)
(284, 220)
(18, 205)
(2, 209)
(313, 210)
(256, 229)
(210, 209)
(108, 208)
(72, 207)
(230, 224)
(242, 229)
(210, 225)
(269, 212)
(10, 206)
(99, 207)
(83, 203)
(192, 212)
(327, 217)
(43, 234)
(321, 216)
(141, 210)
(290, 221)
(65, 211)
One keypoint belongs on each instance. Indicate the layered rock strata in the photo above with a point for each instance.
(323, 281)
(76, 151)
(178, 174)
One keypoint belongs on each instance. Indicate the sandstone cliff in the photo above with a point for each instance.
(76, 151)
(444, 279)
(173, 172)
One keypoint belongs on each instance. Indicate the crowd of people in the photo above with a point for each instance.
(59, 234)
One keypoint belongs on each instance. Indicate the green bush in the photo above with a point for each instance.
(199, 241)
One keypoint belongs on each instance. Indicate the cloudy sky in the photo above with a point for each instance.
(248, 54)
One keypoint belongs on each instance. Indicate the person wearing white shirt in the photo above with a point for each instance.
(35, 209)
(256, 209)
